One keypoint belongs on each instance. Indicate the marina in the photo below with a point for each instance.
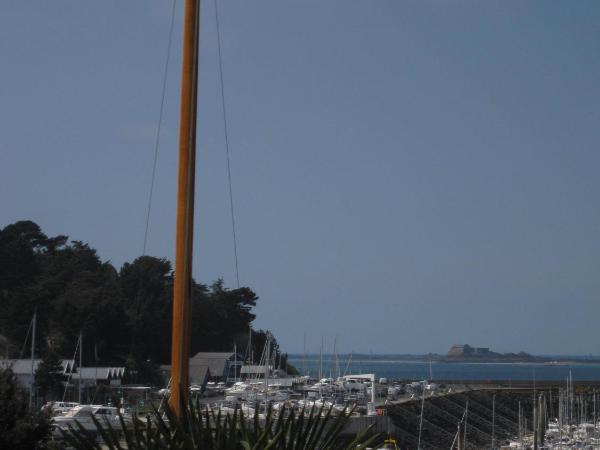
(419, 415)
(189, 187)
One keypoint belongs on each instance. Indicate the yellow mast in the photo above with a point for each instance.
(180, 342)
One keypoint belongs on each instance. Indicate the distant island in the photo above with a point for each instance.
(466, 353)
(458, 353)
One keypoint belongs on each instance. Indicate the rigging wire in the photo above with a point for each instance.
(158, 129)
(71, 371)
(26, 339)
(235, 251)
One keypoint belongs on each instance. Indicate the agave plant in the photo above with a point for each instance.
(201, 428)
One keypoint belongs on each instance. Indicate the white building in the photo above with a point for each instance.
(23, 369)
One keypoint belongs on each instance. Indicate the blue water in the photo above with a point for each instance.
(395, 369)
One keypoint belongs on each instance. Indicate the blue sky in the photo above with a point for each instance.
(407, 174)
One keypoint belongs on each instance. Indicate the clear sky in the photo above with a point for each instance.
(407, 174)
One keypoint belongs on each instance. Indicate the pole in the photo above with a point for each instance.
(180, 341)
(466, 419)
(80, 363)
(250, 346)
(560, 416)
(321, 360)
(304, 357)
(421, 419)
(31, 392)
(493, 421)
(267, 361)
(535, 425)
(520, 427)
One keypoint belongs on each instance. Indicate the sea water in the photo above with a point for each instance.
(420, 370)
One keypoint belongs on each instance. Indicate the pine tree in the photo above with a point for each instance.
(49, 376)
(20, 429)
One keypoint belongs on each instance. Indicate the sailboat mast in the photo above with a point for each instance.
(80, 364)
(267, 361)
(234, 362)
(304, 357)
(420, 417)
(180, 341)
(33, 325)
(321, 360)
(493, 421)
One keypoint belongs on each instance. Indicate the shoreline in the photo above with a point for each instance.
(549, 362)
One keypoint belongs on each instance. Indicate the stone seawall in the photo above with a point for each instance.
(441, 415)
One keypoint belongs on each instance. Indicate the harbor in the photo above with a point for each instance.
(300, 225)
(451, 414)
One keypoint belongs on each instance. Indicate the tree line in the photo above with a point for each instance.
(123, 315)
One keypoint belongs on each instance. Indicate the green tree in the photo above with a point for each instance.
(122, 313)
(72, 290)
(146, 284)
(220, 316)
(143, 371)
(22, 248)
(20, 429)
(49, 376)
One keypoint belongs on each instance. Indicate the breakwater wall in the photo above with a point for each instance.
(443, 412)
(441, 415)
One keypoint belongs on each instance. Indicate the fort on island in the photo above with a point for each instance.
(465, 352)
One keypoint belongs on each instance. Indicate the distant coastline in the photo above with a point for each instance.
(493, 358)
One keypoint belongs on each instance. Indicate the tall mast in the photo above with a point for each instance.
(267, 361)
(321, 360)
(250, 349)
(304, 357)
(33, 325)
(420, 417)
(80, 363)
(180, 341)
(466, 419)
(520, 427)
(493, 421)
(337, 364)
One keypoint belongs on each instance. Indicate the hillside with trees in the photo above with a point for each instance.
(124, 315)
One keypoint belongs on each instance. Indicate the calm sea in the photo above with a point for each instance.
(397, 369)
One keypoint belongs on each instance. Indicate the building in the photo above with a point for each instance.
(93, 376)
(460, 350)
(23, 369)
(222, 365)
(199, 375)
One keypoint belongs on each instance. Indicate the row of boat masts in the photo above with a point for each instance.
(262, 388)
(326, 392)
(569, 421)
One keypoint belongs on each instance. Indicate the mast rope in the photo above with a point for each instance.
(70, 371)
(158, 128)
(227, 153)
(26, 339)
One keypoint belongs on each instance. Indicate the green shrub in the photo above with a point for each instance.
(20, 428)
(201, 428)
